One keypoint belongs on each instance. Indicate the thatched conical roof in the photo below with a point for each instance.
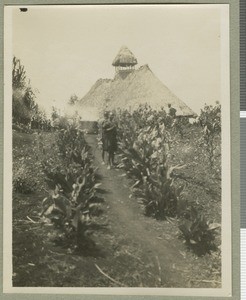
(124, 58)
(139, 87)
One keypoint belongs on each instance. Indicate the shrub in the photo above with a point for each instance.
(199, 234)
(23, 180)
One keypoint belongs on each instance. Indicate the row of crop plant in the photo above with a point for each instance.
(73, 204)
(147, 139)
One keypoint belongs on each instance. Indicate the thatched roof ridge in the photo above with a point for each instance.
(139, 87)
(97, 95)
(124, 58)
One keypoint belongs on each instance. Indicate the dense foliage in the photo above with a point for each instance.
(149, 149)
(73, 202)
(26, 113)
(145, 144)
(210, 120)
(27, 174)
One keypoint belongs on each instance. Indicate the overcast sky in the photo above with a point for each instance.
(66, 49)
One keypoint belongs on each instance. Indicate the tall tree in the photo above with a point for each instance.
(23, 95)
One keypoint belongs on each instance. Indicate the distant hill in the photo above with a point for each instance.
(130, 88)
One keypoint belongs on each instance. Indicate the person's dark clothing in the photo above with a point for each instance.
(109, 137)
(172, 112)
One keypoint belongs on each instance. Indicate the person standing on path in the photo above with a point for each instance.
(109, 138)
(101, 138)
(103, 125)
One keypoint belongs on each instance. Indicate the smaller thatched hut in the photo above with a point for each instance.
(124, 60)
(88, 117)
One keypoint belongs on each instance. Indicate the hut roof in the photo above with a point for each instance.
(124, 58)
(139, 87)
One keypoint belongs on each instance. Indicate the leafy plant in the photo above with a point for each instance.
(210, 120)
(24, 184)
(23, 181)
(144, 150)
(180, 125)
(147, 138)
(199, 234)
(73, 201)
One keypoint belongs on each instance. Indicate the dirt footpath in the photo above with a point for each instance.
(152, 244)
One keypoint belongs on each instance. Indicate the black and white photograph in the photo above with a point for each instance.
(117, 152)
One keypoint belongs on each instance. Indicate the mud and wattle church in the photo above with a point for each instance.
(131, 87)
